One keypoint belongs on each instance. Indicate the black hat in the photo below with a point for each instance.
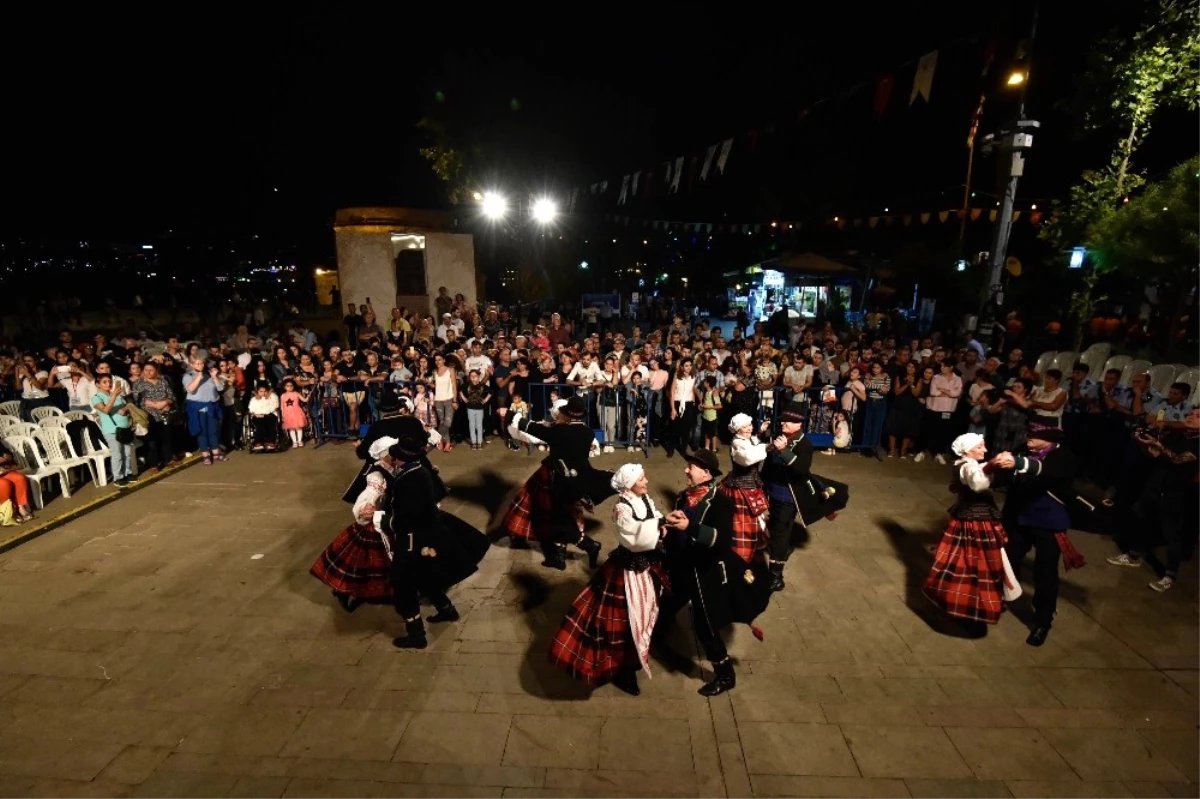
(391, 400)
(705, 460)
(574, 409)
(1045, 432)
(411, 439)
(794, 412)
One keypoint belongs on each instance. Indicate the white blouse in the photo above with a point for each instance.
(367, 502)
(637, 530)
(747, 451)
(683, 390)
(972, 475)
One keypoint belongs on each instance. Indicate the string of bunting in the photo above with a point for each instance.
(839, 222)
(700, 167)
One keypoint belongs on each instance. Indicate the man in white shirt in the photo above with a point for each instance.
(479, 362)
(635, 365)
(447, 324)
(585, 372)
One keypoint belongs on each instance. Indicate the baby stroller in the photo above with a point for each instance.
(264, 434)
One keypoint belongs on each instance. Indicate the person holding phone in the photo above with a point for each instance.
(203, 386)
(113, 413)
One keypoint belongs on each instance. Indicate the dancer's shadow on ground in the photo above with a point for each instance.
(911, 550)
(545, 603)
(488, 490)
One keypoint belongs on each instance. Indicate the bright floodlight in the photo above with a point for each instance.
(544, 211)
(494, 205)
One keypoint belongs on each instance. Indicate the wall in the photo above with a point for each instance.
(365, 266)
(450, 262)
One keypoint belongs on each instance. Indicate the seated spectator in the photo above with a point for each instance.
(264, 419)
(14, 486)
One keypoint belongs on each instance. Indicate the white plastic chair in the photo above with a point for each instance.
(77, 416)
(45, 411)
(1191, 377)
(1161, 377)
(98, 453)
(30, 462)
(54, 421)
(1118, 362)
(1043, 362)
(11, 408)
(6, 423)
(1134, 368)
(20, 428)
(1095, 356)
(60, 452)
(1063, 362)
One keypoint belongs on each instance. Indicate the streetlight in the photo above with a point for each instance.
(544, 210)
(494, 205)
(1016, 78)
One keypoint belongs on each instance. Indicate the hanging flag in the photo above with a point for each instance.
(1016, 215)
(637, 176)
(943, 216)
(656, 223)
(873, 221)
(726, 146)
(906, 219)
(676, 175)
(594, 187)
(924, 219)
(667, 179)
(992, 215)
(624, 190)
(923, 80)
(975, 212)
(883, 94)
(708, 157)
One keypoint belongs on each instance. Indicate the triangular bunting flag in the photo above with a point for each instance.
(624, 190)
(873, 221)
(1016, 215)
(906, 219)
(975, 212)
(637, 176)
(676, 175)
(943, 216)
(726, 146)
(992, 215)
(883, 94)
(923, 79)
(708, 157)
(603, 186)
(924, 219)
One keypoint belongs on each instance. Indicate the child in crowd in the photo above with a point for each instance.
(841, 432)
(475, 396)
(422, 406)
(982, 397)
(639, 411)
(294, 418)
(263, 407)
(710, 407)
(517, 404)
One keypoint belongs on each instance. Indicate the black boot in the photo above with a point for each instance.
(555, 556)
(592, 547)
(348, 602)
(724, 679)
(1038, 636)
(444, 613)
(416, 635)
(627, 682)
(777, 574)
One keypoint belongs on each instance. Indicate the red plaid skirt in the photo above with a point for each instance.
(594, 641)
(529, 515)
(967, 579)
(748, 504)
(356, 563)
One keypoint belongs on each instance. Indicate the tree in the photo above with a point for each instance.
(1131, 80)
(1153, 238)
(450, 160)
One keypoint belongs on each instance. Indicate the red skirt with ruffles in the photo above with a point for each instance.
(356, 563)
(967, 578)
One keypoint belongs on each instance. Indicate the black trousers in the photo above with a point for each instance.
(407, 588)
(1163, 507)
(266, 429)
(780, 519)
(683, 426)
(1047, 553)
(79, 428)
(158, 444)
(669, 607)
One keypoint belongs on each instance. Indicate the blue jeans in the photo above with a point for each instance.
(873, 423)
(209, 436)
(475, 425)
(120, 456)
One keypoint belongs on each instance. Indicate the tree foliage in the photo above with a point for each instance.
(450, 160)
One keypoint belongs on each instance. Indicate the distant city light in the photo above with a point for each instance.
(1016, 78)
(583, 264)
(961, 265)
(544, 210)
(147, 246)
(1077, 255)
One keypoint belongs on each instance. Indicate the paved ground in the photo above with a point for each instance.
(172, 643)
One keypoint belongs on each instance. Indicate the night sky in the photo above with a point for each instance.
(131, 122)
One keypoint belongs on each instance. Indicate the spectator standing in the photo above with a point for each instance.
(204, 410)
(115, 424)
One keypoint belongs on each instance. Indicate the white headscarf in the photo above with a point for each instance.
(381, 447)
(626, 476)
(558, 405)
(965, 443)
(739, 421)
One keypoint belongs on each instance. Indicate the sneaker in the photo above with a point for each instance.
(631, 448)
(920, 457)
(122, 483)
(133, 478)
(940, 458)
(1124, 560)
(609, 448)
(1164, 584)
(891, 455)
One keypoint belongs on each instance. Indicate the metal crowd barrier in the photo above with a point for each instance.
(629, 414)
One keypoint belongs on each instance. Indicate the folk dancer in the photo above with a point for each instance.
(357, 565)
(432, 550)
(793, 491)
(606, 633)
(744, 486)
(722, 587)
(393, 407)
(549, 506)
(971, 578)
(1035, 517)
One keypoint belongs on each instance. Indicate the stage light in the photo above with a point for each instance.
(494, 205)
(1016, 78)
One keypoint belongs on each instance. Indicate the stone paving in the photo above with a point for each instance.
(172, 643)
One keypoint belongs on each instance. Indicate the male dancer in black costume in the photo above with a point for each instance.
(573, 481)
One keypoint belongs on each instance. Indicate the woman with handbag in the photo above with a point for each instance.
(117, 428)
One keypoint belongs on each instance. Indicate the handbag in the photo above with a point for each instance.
(125, 435)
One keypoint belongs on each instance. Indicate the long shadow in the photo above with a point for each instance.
(489, 490)
(546, 604)
(910, 550)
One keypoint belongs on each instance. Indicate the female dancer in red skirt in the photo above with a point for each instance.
(606, 633)
(358, 564)
(971, 578)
